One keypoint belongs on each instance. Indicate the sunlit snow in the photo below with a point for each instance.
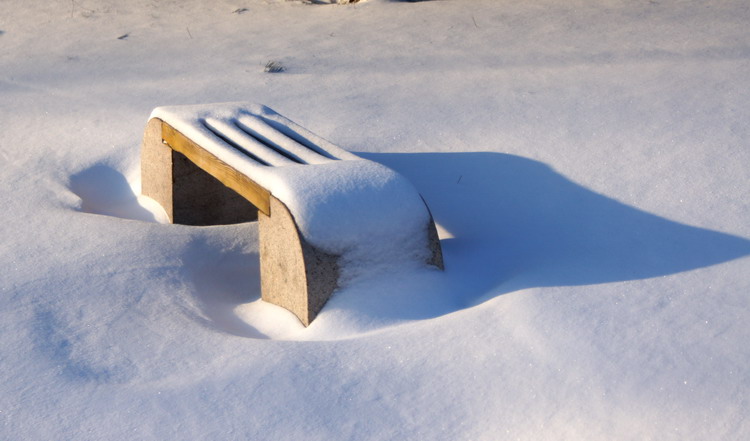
(586, 164)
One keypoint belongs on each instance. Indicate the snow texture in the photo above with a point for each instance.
(586, 164)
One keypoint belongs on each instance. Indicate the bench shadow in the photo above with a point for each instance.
(510, 223)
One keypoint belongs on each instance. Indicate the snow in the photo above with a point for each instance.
(586, 164)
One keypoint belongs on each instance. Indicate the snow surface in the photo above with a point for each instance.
(587, 164)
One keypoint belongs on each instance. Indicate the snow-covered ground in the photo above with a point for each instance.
(587, 163)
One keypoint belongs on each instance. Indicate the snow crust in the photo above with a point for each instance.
(586, 163)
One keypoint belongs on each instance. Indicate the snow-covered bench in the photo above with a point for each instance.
(323, 212)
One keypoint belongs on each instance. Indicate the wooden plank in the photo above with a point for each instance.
(246, 187)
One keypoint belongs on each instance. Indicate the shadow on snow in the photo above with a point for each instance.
(509, 223)
(104, 190)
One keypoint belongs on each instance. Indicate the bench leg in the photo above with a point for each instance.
(298, 276)
(293, 274)
(156, 168)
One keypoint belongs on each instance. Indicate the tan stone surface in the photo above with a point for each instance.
(156, 167)
(294, 275)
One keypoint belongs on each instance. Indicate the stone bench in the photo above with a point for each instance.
(320, 209)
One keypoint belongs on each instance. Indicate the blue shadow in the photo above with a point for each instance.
(104, 190)
(517, 224)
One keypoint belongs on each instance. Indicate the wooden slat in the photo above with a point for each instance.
(246, 187)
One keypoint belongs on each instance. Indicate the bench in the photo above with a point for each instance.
(322, 211)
